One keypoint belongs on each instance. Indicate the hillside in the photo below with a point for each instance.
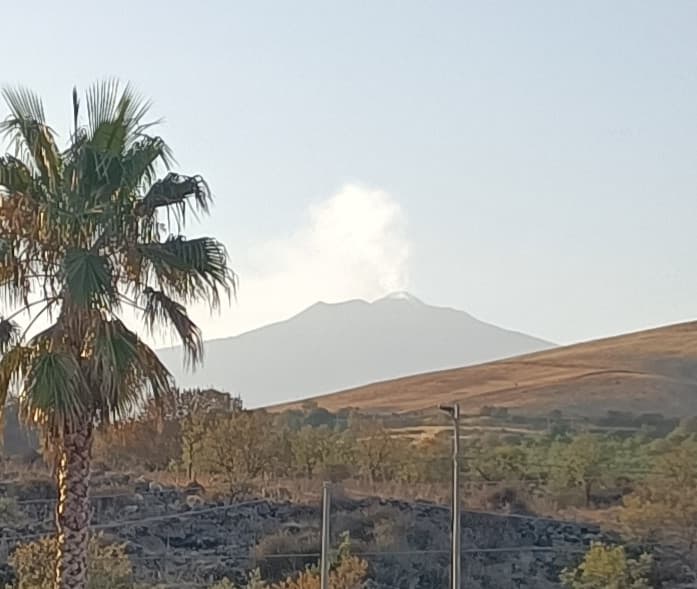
(329, 347)
(648, 371)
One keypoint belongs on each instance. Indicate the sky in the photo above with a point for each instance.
(532, 163)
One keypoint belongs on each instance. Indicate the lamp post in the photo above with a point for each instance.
(454, 412)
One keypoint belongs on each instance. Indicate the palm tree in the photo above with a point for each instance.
(86, 233)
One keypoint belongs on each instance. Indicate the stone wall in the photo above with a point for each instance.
(173, 535)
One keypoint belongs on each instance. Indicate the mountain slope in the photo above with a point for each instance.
(330, 347)
(648, 371)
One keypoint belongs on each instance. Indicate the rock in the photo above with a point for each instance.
(142, 485)
(115, 479)
(194, 501)
(129, 510)
(152, 544)
(154, 487)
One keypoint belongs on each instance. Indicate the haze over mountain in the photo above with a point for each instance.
(330, 347)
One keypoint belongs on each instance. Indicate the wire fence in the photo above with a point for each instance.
(165, 566)
(351, 493)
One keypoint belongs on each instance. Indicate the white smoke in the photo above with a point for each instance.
(351, 245)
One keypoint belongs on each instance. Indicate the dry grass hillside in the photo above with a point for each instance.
(649, 371)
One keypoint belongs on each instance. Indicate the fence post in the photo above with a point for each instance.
(324, 558)
(455, 562)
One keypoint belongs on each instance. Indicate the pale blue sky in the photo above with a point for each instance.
(533, 163)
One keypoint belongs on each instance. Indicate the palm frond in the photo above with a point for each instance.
(14, 364)
(101, 100)
(161, 309)
(175, 191)
(136, 109)
(89, 280)
(114, 115)
(124, 370)
(14, 288)
(6, 251)
(55, 394)
(32, 138)
(15, 276)
(24, 103)
(48, 304)
(9, 334)
(30, 215)
(114, 123)
(191, 268)
(16, 177)
(141, 160)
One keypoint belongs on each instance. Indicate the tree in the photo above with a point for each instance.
(127, 445)
(195, 411)
(87, 232)
(291, 419)
(319, 416)
(607, 567)
(500, 463)
(311, 446)
(241, 445)
(663, 510)
(584, 462)
(377, 447)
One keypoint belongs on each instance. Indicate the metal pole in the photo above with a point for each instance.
(324, 559)
(457, 536)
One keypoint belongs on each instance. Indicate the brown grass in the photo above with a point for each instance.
(648, 371)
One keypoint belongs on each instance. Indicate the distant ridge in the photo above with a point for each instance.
(334, 346)
(653, 371)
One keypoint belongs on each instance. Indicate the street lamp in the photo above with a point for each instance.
(454, 412)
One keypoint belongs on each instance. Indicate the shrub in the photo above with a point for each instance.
(607, 567)
(253, 582)
(347, 572)
(224, 584)
(509, 500)
(301, 541)
(108, 565)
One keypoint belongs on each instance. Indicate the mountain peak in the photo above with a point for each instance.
(401, 295)
(336, 346)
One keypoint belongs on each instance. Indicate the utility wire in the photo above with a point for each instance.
(154, 518)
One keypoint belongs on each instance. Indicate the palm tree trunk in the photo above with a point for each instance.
(73, 509)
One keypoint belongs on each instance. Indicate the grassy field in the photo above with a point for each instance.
(649, 371)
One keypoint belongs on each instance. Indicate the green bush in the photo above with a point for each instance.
(254, 581)
(607, 567)
(108, 565)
